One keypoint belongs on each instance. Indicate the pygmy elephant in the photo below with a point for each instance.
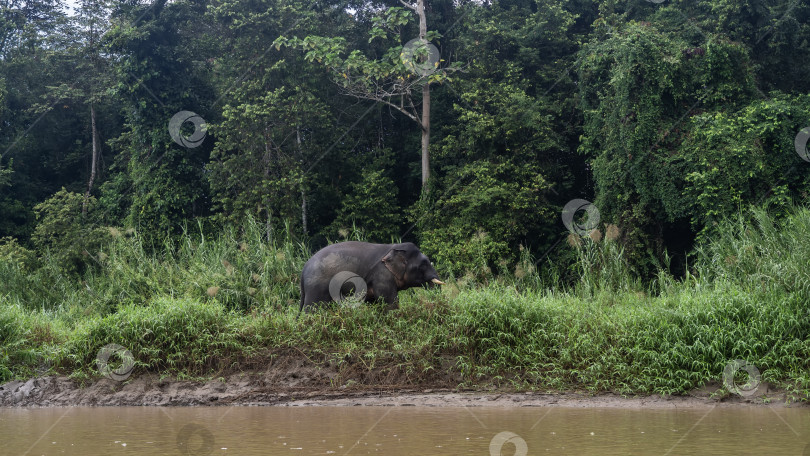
(379, 270)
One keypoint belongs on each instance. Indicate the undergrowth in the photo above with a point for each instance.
(205, 305)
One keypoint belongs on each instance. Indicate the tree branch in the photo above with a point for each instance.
(385, 101)
(408, 5)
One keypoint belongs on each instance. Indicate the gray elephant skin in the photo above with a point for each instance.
(382, 269)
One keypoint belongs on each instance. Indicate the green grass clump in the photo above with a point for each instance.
(238, 268)
(28, 342)
(666, 344)
(760, 251)
(173, 336)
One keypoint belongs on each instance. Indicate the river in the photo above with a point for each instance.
(404, 431)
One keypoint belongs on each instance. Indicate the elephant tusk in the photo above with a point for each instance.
(438, 282)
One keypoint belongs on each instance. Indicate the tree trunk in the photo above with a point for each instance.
(425, 137)
(303, 208)
(303, 193)
(268, 227)
(93, 160)
(425, 121)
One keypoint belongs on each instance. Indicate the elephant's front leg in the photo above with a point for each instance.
(387, 292)
(393, 302)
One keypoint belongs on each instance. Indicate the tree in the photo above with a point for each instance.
(275, 124)
(38, 128)
(395, 77)
(94, 77)
(744, 157)
(67, 232)
(26, 21)
(678, 137)
(266, 145)
(160, 53)
(508, 142)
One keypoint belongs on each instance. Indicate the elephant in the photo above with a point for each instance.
(381, 270)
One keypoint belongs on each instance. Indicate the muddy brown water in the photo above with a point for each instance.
(403, 431)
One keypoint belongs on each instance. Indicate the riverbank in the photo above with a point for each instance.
(213, 311)
(259, 389)
(493, 339)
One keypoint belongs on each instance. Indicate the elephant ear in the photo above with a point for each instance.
(396, 262)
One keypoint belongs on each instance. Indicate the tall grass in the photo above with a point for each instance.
(205, 305)
(238, 268)
(183, 337)
(756, 250)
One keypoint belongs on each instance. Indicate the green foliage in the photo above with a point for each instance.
(366, 77)
(170, 336)
(158, 184)
(14, 350)
(5, 176)
(491, 204)
(758, 251)
(601, 265)
(504, 154)
(278, 130)
(682, 112)
(25, 343)
(238, 268)
(64, 234)
(736, 159)
(45, 133)
(674, 133)
(470, 230)
(625, 343)
(371, 207)
(12, 253)
(390, 22)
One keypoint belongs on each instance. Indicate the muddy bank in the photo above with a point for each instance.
(290, 378)
(259, 389)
